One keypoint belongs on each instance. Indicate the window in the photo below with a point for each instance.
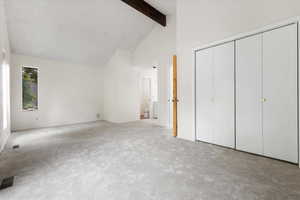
(5, 93)
(30, 88)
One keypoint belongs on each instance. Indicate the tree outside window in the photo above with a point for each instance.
(30, 88)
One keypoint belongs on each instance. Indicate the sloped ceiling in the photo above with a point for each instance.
(78, 31)
(168, 7)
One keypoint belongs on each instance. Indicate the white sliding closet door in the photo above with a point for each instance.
(204, 95)
(249, 94)
(280, 92)
(223, 84)
(215, 95)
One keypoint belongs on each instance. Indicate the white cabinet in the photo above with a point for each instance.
(215, 95)
(249, 94)
(280, 91)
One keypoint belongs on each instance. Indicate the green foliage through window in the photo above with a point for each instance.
(30, 88)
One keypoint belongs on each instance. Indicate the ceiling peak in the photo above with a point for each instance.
(148, 10)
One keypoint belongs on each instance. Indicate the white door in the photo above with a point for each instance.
(223, 97)
(215, 95)
(249, 94)
(204, 95)
(280, 93)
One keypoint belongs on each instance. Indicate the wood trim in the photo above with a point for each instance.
(175, 99)
(148, 10)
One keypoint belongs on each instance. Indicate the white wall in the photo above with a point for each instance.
(157, 49)
(114, 91)
(205, 21)
(67, 93)
(125, 70)
(121, 89)
(4, 59)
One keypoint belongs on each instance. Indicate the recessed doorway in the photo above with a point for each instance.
(149, 95)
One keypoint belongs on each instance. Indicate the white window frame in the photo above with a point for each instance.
(38, 88)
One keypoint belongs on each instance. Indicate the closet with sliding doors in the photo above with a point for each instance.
(247, 93)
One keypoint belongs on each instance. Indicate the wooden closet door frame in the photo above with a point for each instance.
(175, 98)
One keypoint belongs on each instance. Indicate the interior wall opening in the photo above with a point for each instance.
(149, 95)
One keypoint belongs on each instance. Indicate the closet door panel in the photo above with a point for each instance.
(280, 92)
(248, 94)
(223, 83)
(204, 95)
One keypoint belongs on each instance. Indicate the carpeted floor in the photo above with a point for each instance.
(137, 161)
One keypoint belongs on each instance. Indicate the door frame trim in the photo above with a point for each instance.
(175, 97)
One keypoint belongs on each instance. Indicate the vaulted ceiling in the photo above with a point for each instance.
(77, 31)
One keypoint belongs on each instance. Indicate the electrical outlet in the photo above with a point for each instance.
(98, 116)
(3, 54)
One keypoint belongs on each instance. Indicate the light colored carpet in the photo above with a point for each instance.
(137, 161)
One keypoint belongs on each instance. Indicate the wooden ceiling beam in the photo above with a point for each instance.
(148, 10)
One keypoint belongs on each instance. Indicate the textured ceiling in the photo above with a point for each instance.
(77, 31)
